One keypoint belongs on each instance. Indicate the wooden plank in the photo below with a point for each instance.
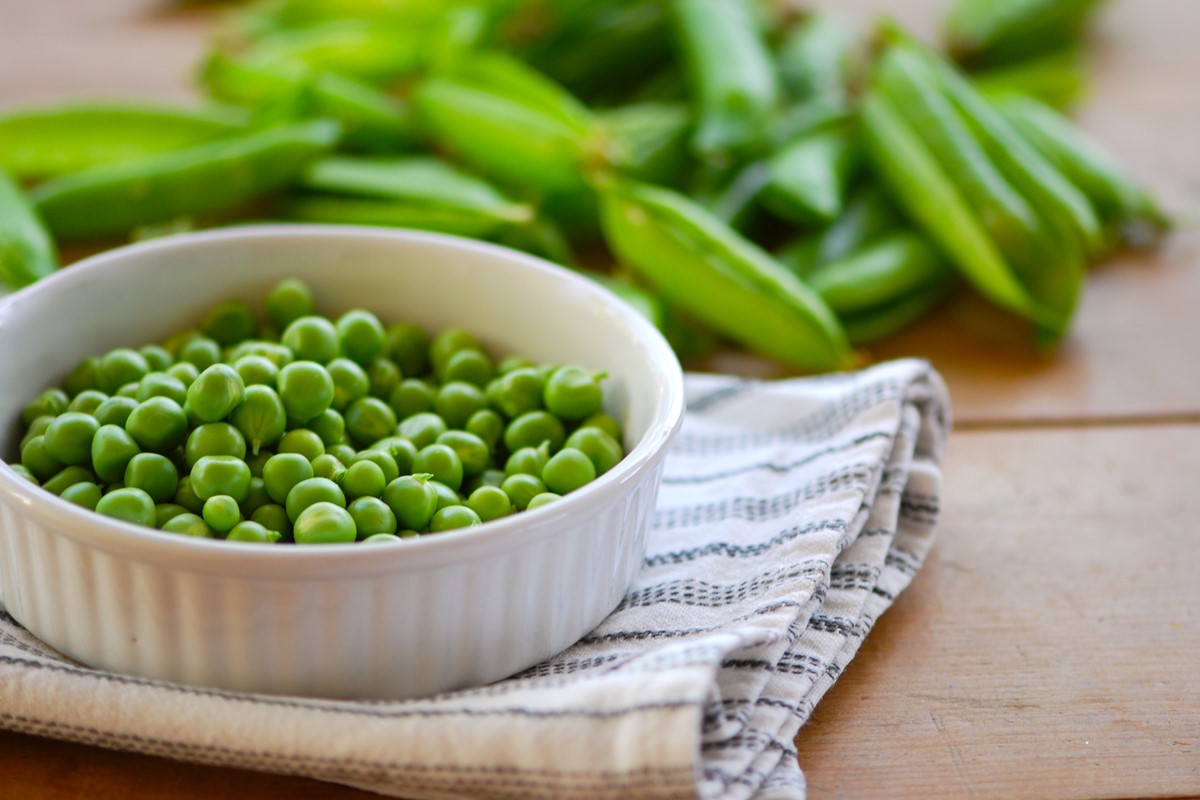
(1049, 647)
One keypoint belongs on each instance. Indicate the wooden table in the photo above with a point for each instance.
(1050, 647)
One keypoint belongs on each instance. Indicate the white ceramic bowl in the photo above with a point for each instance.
(433, 614)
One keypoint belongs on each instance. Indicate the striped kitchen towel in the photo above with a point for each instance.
(791, 515)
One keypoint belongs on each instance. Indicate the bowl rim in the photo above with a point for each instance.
(337, 560)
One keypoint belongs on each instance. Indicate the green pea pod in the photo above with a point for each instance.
(359, 48)
(646, 303)
(882, 272)
(733, 78)
(113, 199)
(1006, 31)
(815, 58)
(391, 213)
(807, 180)
(881, 322)
(27, 252)
(869, 213)
(45, 142)
(542, 237)
(650, 140)
(696, 262)
(736, 201)
(919, 185)
(805, 118)
(1121, 202)
(1058, 79)
(371, 120)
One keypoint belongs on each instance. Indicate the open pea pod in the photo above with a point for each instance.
(1006, 31)
(113, 199)
(48, 141)
(699, 264)
(27, 252)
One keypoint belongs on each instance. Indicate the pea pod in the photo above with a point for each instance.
(646, 303)
(815, 59)
(1121, 202)
(359, 48)
(1006, 31)
(696, 262)
(259, 19)
(27, 252)
(867, 327)
(113, 199)
(869, 213)
(807, 180)
(733, 79)
(1058, 79)
(650, 140)
(883, 272)
(38, 143)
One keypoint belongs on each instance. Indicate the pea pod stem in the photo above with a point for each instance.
(27, 253)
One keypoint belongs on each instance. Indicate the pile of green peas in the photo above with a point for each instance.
(313, 430)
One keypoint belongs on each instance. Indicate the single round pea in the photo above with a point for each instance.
(509, 363)
(492, 477)
(445, 495)
(189, 524)
(302, 441)
(256, 370)
(115, 411)
(454, 517)
(371, 516)
(67, 477)
(87, 401)
(129, 390)
(542, 499)
(330, 426)
(469, 366)
(422, 429)
(490, 502)
(221, 475)
(186, 497)
(412, 396)
(69, 437)
(327, 466)
(221, 513)
(456, 401)
(369, 419)
(154, 474)
(128, 504)
(532, 428)
(120, 366)
(112, 449)
(274, 352)
(167, 511)
(200, 351)
(213, 439)
(305, 388)
(361, 335)
(324, 523)
(528, 460)
(85, 375)
(283, 471)
(603, 450)
(567, 470)
(157, 357)
(383, 377)
(447, 343)
(185, 371)
(341, 451)
(250, 531)
(487, 425)
(274, 517)
(158, 425)
(408, 346)
(260, 418)
(522, 488)
(472, 451)
(161, 384)
(229, 322)
(573, 393)
(256, 498)
(383, 538)
(517, 391)
(49, 403)
(38, 461)
(363, 479)
(413, 499)
(215, 393)
(311, 338)
(288, 301)
(442, 463)
(36, 428)
(402, 451)
(313, 490)
(83, 494)
(350, 382)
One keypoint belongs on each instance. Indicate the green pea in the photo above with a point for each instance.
(361, 335)
(573, 393)
(213, 439)
(163, 512)
(201, 352)
(87, 401)
(371, 516)
(161, 384)
(330, 426)
(363, 479)
(221, 513)
(602, 449)
(250, 531)
(313, 490)
(542, 499)
(487, 425)
(130, 505)
(311, 338)
(326, 466)
(121, 366)
(229, 322)
(350, 382)
(189, 524)
(445, 495)
(454, 517)
(489, 503)
(567, 470)
(83, 494)
(456, 401)
(115, 411)
(413, 499)
(283, 471)
(274, 352)
(158, 425)
(49, 403)
(604, 422)
(185, 371)
(532, 428)
(446, 344)
(85, 375)
(221, 475)
(305, 388)
(528, 460)
(469, 366)
(383, 376)
(324, 523)
(491, 477)
(288, 301)
(408, 345)
(402, 451)
(36, 428)
(260, 417)
(68, 438)
(522, 488)
(369, 419)
(422, 429)
(68, 477)
(256, 498)
(154, 474)
(442, 463)
(383, 538)
(157, 357)
(412, 396)
(273, 517)
(256, 370)
(472, 451)
(38, 461)
(215, 393)
(129, 390)
(517, 391)
(341, 451)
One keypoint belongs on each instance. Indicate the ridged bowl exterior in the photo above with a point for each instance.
(442, 612)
